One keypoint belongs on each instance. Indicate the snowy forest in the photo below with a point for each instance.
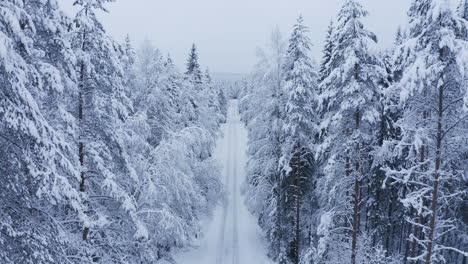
(109, 153)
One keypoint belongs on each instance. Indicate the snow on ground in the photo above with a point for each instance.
(233, 236)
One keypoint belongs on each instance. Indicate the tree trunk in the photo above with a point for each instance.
(279, 205)
(417, 230)
(416, 234)
(389, 224)
(298, 211)
(347, 173)
(435, 192)
(407, 243)
(355, 220)
(356, 195)
(278, 215)
(81, 147)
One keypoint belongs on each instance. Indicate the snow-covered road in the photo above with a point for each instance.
(233, 236)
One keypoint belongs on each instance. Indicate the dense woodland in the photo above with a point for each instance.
(105, 151)
(363, 157)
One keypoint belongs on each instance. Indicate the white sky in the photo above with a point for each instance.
(227, 32)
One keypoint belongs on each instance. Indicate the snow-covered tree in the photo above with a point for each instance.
(156, 95)
(431, 90)
(207, 76)
(106, 153)
(39, 204)
(78, 156)
(193, 72)
(350, 109)
(299, 127)
(324, 70)
(390, 185)
(128, 61)
(263, 108)
(170, 149)
(103, 108)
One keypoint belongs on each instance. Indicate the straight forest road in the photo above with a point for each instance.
(232, 236)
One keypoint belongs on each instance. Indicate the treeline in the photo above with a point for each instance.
(363, 158)
(105, 153)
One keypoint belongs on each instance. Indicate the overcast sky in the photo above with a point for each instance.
(227, 32)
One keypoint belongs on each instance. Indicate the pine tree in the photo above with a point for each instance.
(193, 68)
(349, 103)
(433, 125)
(463, 9)
(129, 69)
(264, 121)
(384, 219)
(100, 205)
(399, 36)
(299, 131)
(327, 53)
(102, 110)
(207, 76)
(129, 50)
(169, 148)
(37, 163)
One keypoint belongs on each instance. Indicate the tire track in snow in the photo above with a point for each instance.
(222, 231)
(235, 202)
(220, 245)
(220, 256)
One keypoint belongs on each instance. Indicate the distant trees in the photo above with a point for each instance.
(193, 68)
(385, 180)
(106, 153)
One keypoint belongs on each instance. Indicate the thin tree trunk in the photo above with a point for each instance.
(389, 224)
(416, 234)
(357, 194)
(407, 243)
(298, 211)
(278, 215)
(81, 147)
(435, 192)
(369, 221)
(347, 173)
(359, 207)
(278, 176)
(355, 220)
(408, 227)
(417, 229)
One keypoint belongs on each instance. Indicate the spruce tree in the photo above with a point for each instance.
(129, 50)
(79, 175)
(350, 109)
(193, 68)
(265, 122)
(299, 132)
(37, 162)
(463, 9)
(207, 76)
(433, 126)
(103, 107)
(327, 53)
